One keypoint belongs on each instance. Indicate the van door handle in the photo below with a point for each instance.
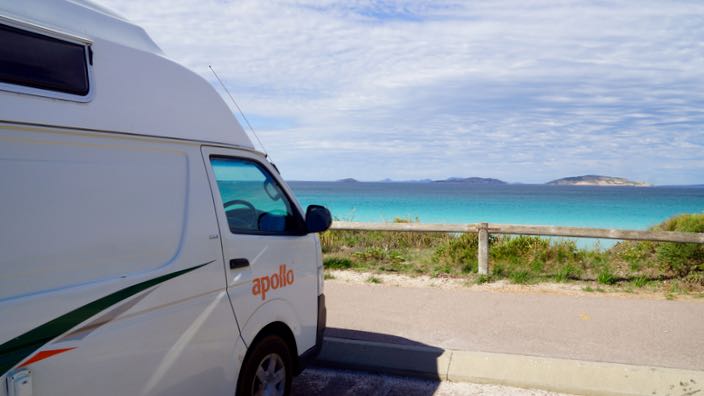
(239, 263)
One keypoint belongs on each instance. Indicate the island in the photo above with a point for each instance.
(347, 180)
(471, 180)
(596, 180)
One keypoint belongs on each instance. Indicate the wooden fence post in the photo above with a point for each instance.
(483, 251)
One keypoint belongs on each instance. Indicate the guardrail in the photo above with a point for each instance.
(484, 229)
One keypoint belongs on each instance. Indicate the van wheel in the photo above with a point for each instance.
(268, 370)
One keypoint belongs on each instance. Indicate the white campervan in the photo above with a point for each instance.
(146, 247)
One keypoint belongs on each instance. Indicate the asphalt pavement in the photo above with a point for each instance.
(597, 328)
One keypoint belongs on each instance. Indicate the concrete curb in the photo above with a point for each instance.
(559, 375)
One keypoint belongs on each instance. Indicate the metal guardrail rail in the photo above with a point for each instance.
(484, 229)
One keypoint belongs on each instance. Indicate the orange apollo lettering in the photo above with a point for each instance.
(263, 284)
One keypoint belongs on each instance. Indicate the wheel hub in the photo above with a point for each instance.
(271, 377)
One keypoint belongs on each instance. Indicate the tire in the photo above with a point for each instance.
(273, 356)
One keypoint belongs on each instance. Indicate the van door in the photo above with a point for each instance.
(269, 258)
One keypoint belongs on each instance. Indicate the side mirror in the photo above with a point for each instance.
(318, 218)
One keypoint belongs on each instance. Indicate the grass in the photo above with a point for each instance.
(605, 276)
(337, 263)
(566, 272)
(525, 259)
(640, 281)
(520, 277)
(481, 279)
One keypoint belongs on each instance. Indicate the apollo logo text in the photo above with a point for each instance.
(262, 285)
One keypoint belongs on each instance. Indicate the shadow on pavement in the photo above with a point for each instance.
(374, 337)
(334, 382)
(373, 353)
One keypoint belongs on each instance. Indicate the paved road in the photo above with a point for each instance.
(590, 327)
(324, 382)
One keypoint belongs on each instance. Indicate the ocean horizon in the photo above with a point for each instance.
(619, 207)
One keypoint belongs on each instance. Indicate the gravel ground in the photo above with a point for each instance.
(572, 288)
(322, 382)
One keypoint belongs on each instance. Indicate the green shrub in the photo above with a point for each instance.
(396, 256)
(520, 276)
(681, 258)
(458, 254)
(606, 276)
(640, 281)
(440, 270)
(692, 222)
(481, 279)
(337, 263)
(636, 254)
(537, 265)
(521, 258)
(522, 246)
(499, 271)
(564, 250)
(566, 272)
(379, 256)
(341, 240)
(372, 253)
(695, 278)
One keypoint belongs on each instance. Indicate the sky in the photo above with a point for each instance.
(524, 91)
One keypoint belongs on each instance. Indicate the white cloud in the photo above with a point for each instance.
(526, 91)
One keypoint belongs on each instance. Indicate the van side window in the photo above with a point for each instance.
(253, 201)
(37, 61)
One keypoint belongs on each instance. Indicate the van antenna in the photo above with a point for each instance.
(266, 154)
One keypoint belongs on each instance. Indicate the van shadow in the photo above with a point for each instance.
(410, 367)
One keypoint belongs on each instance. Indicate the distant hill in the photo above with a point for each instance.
(409, 181)
(596, 180)
(471, 180)
(387, 180)
(347, 180)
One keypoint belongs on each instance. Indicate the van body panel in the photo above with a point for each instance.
(267, 256)
(178, 348)
(63, 252)
(76, 198)
(277, 310)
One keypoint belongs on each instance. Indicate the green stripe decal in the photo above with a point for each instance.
(19, 348)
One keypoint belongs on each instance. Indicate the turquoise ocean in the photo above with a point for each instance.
(581, 206)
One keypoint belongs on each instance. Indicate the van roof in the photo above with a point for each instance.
(135, 88)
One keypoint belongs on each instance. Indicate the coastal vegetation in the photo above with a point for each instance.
(628, 265)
